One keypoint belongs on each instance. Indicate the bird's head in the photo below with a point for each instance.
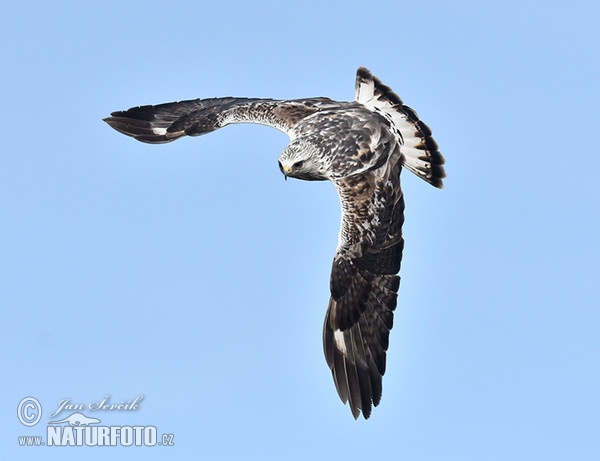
(301, 160)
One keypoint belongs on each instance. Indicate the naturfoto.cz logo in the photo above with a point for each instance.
(78, 429)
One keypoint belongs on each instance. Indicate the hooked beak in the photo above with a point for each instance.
(285, 169)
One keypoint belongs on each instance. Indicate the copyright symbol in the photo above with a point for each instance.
(29, 411)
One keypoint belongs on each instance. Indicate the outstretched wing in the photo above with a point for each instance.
(364, 283)
(167, 122)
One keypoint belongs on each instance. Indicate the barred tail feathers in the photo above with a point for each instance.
(420, 151)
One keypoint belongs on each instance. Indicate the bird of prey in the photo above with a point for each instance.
(361, 147)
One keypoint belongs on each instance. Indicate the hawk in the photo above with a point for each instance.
(361, 147)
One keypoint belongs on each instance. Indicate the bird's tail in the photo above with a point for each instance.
(419, 149)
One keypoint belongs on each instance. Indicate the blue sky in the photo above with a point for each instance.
(192, 274)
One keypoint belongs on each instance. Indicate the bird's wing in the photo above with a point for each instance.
(167, 122)
(419, 150)
(364, 283)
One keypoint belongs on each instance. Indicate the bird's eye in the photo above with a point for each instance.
(280, 166)
(298, 165)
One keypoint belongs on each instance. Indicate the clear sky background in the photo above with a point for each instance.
(193, 274)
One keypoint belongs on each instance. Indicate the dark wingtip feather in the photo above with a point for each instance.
(139, 128)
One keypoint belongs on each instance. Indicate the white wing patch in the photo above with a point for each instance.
(338, 336)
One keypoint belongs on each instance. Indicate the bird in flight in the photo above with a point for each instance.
(361, 147)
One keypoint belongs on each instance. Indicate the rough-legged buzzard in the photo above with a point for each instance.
(361, 147)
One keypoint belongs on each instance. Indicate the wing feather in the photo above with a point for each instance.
(170, 121)
(364, 284)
